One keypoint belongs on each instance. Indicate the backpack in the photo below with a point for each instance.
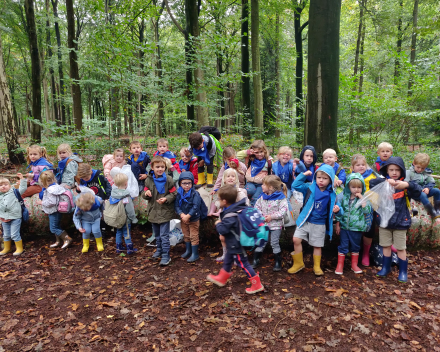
(65, 202)
(59, 174)
(210, 130)
(24, 210)
(253, 229)
(203, 209)
(114, 214)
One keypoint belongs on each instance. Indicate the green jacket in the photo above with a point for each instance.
(160, 213)
(424, 179)
(10, 208)
(353, 219)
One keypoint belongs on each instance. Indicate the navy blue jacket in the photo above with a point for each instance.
(192, 206)
(401, 220)
(98, 184)
(299, 168)
(229, 224)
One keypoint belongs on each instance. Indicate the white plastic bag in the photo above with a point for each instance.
(132, 185)
(176, 234)
(299, 197)
(382, 201)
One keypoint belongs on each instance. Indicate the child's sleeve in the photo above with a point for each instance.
(129, 210)
(107, 168)
(77, 219)
(258, 205)
(224, 227)
(106, 185)
(177, 207)
(148, 169)
(196, 204)
(342, 176)
(176, 176)
(282, 209)
(299, 184)
(171, 196)
(147, 187)
(414, 190)
(242, 155)
(23, 186)
(218, 182)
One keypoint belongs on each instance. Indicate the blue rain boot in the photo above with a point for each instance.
(188, 250)
(403, 270)
(195, 254)
(130, 249)
(386, 267)
(157, 254)
(119, 248)
(165, 259)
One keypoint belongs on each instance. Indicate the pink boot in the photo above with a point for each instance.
(366, 255)
(393, 249)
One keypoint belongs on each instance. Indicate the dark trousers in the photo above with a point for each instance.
(241, 261)
(209, 168)
(350, 240)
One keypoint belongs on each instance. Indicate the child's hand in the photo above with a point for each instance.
(401, 185)
(425, 190)
(82, 230)
(308, 173)
(29, 176)
(4, 220)
(142, 176)
(336, 209)
(392, 182)
(217, 222)
(296, 160)
(267, 218)
(338, 183)
(162, 200)
(338, 228)
(20, 176)
(39, 202)
(251, 152)
(359, 195)
(212, 192)
(185, 217)
(148, 193)
(201, 163)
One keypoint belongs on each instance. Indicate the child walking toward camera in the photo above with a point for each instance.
(229, 227)
(87, 219)
(188, 163)
(67, 165)
(161, 193)
(37, 163)
(11, 214)
(351, 222)
(273, 205)
(110, 161)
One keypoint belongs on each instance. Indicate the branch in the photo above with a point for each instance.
(304, 25)
(173, 19)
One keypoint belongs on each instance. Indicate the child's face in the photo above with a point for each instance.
(200, 146)
(394, 171)
(330, 159)
(230, 179)
(355, 189)
(419, 168)
(89, 177)
(267, 189)
(322, 180)
(63, 155)
(385, 154)
(119, 157)
(284, 158)
(34, 155)
(162, 148)
(186, 185)
(259, 154)
(185, 157)
(4, 187)
(360, 167)
(136, 149)
(223, 203)
(308, 157)
(159, 169)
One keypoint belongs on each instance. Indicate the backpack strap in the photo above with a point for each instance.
(338, 170)
(408, 204)
(209, 145)
(237, 236)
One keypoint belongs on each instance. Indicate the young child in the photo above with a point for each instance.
(87, 219)
(67, 165)
(230, 161)
(11, 214)
(329, 157)
(171, 171)
(37, 162)
(122, 194)
(306, 162)
(109, 161)
(138, 161)
(316, 215)
(419, 173)
(161, 193)
(95, 180)
(162, 150)
(188, 163)
(204, 148)
(351, 222)
(273, 205)
(394, 172)
(49, 198)
(187, 206)
(229, 227)
(284, 168)
(384, 152)
(259, 166)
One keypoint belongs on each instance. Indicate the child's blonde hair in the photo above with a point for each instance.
(157, 160)
(168, 164)
(186, 151)
(41, 150)
(421, 159)
(4, 180)
(132, 144)
(46, 178)
(259, 144)
(85, 201)
(275, 182)
(64, 147)
(329, 151)
(162, 141)
(119, 150)
(84, 170)
(226, 174)
(121, 180)
(284, 150)
(356, 183)
(356, 158)
(384, 145)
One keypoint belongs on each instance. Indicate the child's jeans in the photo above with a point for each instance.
(124, 232)
(241, 261)
(433, 192)
(11, 230)
(274, 242)
(254, 191)
(55, 223)
(350, 240)
(91, 227)
(162, 233)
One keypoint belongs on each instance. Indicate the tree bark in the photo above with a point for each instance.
(277, 73)
(361, 54)
(323, 75)
(413, 47)
(398, 46)
(158, 59)
(256, 70)
(190, 13)
(51, 71)
(246, 82)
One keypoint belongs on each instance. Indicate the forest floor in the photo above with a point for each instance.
(62, 300)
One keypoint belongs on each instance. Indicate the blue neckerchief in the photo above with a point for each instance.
(224, 209)
(41, 194)
(96, 205)
(203, 153)
(226, 166)
(83, 182)
(40, 162)
(160, 183)
(142, 157)
(184, 166)
(283, 172)
(113, 200)
(62, 164)
(257, 166)
(274, 196)
(379, 161)
(167, 154)
(184, 196)
(367, 173)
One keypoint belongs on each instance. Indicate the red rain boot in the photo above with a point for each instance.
(354, 263)
(256, 285)
(366, 255)
(220, 279)
(340, 267)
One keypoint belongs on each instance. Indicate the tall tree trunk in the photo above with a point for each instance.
(160, 113)
(361, 54)
(191, 17)
(74, 71)
(141, 64)
(221, 88)
(399, 46)
(256, 71)
(246, 82)
(130, 112)
(51, 71)
(323, 75)
(36, 70)
(47, 109)
(277, 73)
(7, 116)
(413, 46)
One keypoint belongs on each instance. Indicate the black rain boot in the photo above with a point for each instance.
(257, 256)
(430, 210)
(278, 262)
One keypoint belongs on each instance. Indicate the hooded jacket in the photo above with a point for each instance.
(352, 218)
(308, 191)
(230, 225)
(109, 162)
(51, 198)
(423, 179)
(71, 170)
(160, 213)
(87, 216)
(117, 195)
(300, 167)
(189, 205)
(98, 184)
(10, 208)
(401, 219)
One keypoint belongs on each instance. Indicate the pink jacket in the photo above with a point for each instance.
(37, 170)
(109, 163)
(275, 208)
(241, 177)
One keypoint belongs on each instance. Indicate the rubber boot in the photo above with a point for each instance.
(119, 248)
(298, 263)
(210, 180)
(317, 265)
(354, 263)
(130, 249)
(257, 256)
(158, 254)
(366, 255)
(201, 180)
(99, 245)
(403, 270)
(66, 239)
(212, 209)
(7, 247)
(278, 262)
(195, 254)
(188, 250)
(220, 259)
(86, 244)
(340, 267)
(393, 249)
(256, 285)
(165, 259)
(18, 248)
(58, 242)
(220, 279)
(386, 267)
(151, 238)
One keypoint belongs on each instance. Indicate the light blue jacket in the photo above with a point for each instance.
(10, 208)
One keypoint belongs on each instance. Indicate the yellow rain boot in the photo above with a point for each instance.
(99, 244)
(86, 244)
(210, 179)
(317, 265)
(201, 180)
(298, 263)
(18, 248)
(7, 249)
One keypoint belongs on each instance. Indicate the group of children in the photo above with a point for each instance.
(171, 188)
